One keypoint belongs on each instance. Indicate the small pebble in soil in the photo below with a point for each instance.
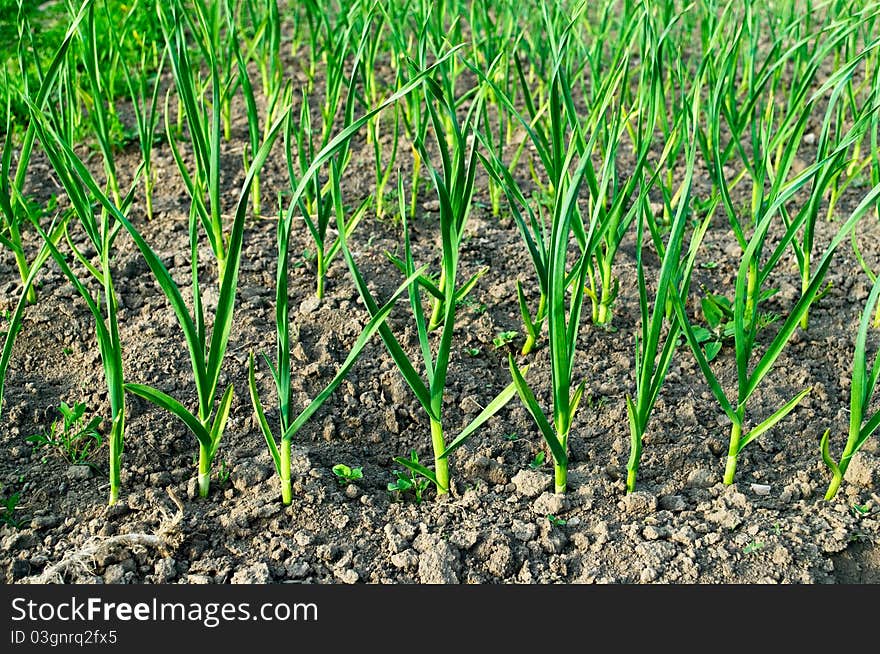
(531, 483)
(45, 522)
(673, 503)
(639, 502)
(701, 478)
(408, 559)
(347, 576)
(654, 533)
(297, 569)
(79, 473)
(647, 575)
(256, 573)
(309, 305)
(524, 531)
(550, 503)
(725, 518)
(760, 489)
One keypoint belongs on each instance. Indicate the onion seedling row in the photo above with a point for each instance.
(605, 147)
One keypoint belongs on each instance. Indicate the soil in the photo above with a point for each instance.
(501, 522)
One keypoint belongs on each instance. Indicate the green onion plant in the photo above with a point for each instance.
(203, 113)
(862, 425)
(333, 151)
(566, 283)
(749, 282)
(655, 346)
(84, 192)
(15, 210)
(206, 351)
(454, 184)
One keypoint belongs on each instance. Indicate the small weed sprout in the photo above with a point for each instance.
(408, 480)
(8, 505)
(347, 475)
(504, 338)
(72, 436)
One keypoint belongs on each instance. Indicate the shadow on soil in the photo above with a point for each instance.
(858, 564)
